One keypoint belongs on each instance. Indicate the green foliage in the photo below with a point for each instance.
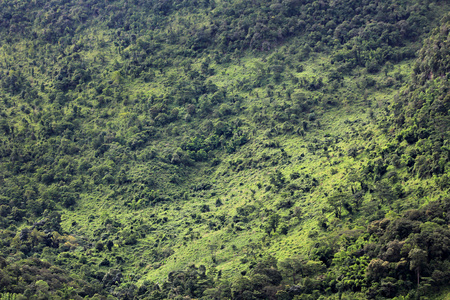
(163, 149)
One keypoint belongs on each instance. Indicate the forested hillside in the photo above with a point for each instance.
(224, 149)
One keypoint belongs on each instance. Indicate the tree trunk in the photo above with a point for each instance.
(418, 277)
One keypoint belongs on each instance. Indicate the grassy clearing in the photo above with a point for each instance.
(238, 189)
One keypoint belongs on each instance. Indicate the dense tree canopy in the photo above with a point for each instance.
(293, 149)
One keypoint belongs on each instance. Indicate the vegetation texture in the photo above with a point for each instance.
(224, 149)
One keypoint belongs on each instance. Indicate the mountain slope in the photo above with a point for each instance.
(227, 149)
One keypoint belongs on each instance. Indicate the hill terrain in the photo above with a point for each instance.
(293, 149)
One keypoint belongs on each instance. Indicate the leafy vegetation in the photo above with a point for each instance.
(224, 149)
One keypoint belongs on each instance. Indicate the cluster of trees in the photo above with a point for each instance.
(36, 279)
(407, 254)
(420, 114)
(119, 100)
